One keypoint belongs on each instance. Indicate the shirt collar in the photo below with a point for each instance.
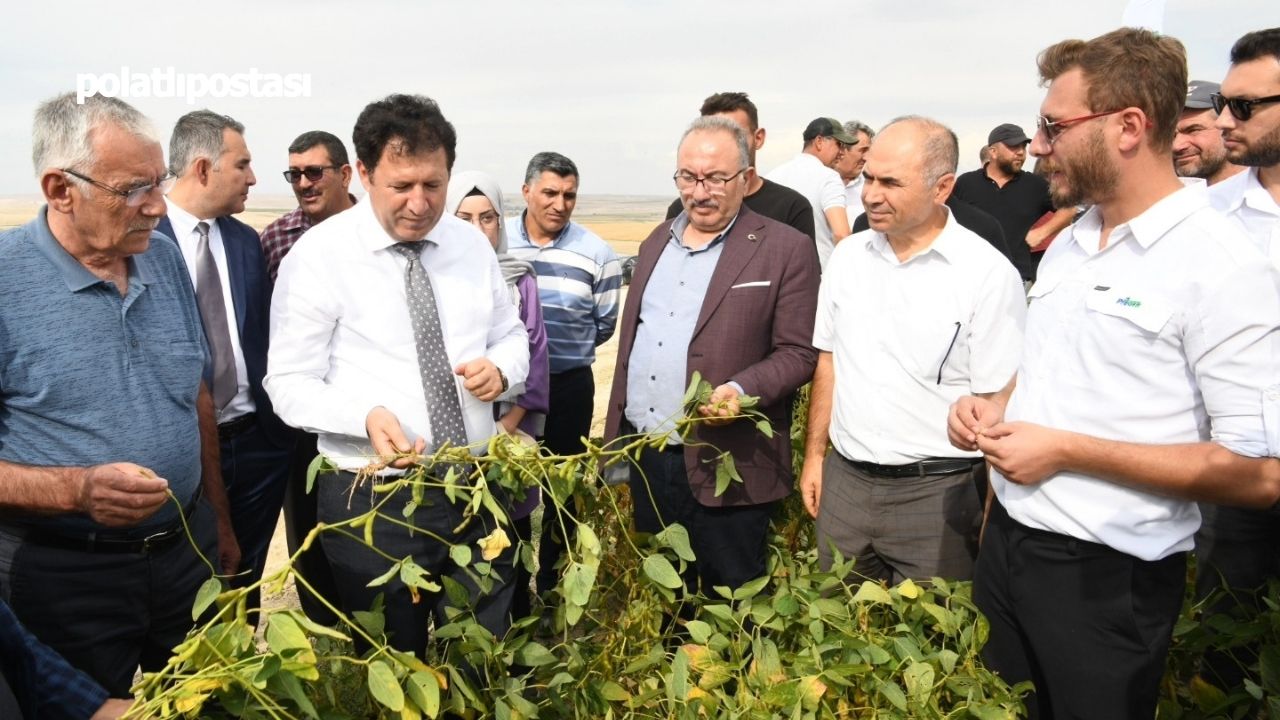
(373, 237)
(75, 275)
(297, 219)
(1250, 192)
(949, 244)
(681, 223)
(184, 223)
(524, 231)
(1148, 227)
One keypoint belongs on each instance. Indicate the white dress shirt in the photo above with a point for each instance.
(821, 186)
(184, 226)
(1170, 334)
(1242, 198)
(342, 342)
(890, 326)
(853, 199)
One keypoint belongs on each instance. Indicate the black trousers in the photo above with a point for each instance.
(572, 403)
(108, 613)
(354, 564)
(300, 517)
(1089, 625)
(255, 472)
(729, 542)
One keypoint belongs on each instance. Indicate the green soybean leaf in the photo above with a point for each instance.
(424, 691)
(384, 687)
(658, 569)
(205, 596)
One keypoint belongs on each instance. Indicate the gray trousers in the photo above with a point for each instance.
(897, 528)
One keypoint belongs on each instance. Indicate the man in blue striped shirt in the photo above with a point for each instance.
(579, 280)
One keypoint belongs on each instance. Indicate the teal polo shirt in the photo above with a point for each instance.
(88, 376)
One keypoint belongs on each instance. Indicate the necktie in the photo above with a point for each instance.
(443, 408)
(213, 312)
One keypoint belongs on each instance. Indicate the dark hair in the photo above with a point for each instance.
(1129, 67)
(332, 145)
(727, 102)
(414, 122)
(549, 162)
(1255, 45)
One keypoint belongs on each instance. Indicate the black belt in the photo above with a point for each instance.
(236, 426)
(674, 449)
(94, 543)
(934, 466)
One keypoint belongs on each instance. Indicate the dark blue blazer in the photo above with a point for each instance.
(251, 296)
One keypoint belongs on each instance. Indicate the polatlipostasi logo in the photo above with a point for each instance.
(169, 83)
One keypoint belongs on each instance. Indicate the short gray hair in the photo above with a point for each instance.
(62, 134)
(720, 123)
(941, 148)
(853, 127)
(552, 162)
(198, 134)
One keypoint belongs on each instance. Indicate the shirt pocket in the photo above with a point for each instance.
(178, 367)
(934, 347)
(1144, 314)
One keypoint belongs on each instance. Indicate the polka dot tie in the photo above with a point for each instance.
(443, 408)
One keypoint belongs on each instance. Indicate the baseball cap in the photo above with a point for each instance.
(828, 127)
(1009, 134)
(1198, 92)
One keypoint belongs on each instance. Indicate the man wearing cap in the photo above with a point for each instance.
(1198, 150)
(1014, 196)
(810, 173)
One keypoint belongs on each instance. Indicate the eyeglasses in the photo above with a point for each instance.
(311, 172)
(1053, 129)
(134, 196)
(1241, 108)
(486, 219)
(713, 183)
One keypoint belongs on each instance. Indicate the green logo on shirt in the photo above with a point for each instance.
(1129, 302)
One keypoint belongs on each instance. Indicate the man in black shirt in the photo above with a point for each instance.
(1016, 198)
(774, 201)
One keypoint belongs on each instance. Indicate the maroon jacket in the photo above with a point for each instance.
(760, 336)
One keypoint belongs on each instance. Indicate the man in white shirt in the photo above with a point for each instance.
(209, 157)
(810, 174)
(1153, 337)
(1239, 548)
(849, 167)
(912, 314)
(393, 331)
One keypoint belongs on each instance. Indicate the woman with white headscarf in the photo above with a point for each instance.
(475, 197)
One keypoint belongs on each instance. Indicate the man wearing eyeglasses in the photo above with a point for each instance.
(107, 439)
(911, 316)
(810, 173)
(1198, 150)
(1249, 117)
(319, 174)
(1147, 383)
(731, 295)
(1015, 197)
(208, 154)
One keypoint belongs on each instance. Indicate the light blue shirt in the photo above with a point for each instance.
(88, 376)
(668, 314)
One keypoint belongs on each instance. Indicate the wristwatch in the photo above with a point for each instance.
(503, 376)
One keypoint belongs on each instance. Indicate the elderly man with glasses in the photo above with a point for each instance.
(730, 294)
(107, 437)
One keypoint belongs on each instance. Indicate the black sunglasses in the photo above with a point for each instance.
(312, 173)
(1241, 108)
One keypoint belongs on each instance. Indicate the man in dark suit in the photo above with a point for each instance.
(730, 294)
(207, 153)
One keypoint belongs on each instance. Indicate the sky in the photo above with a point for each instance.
(610, 83)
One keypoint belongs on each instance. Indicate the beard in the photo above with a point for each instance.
(1264, 153)
(1089, 179)
(1009, 166)
(1204, 165)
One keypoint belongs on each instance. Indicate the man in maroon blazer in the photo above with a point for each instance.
(731, 294)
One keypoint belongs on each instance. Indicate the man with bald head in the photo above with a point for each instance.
(1198, 149)
(729, 294)
(942, 313)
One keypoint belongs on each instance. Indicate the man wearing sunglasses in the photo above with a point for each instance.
(319, 174)
(1149, 365)
(107, 441)
(208, 154)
